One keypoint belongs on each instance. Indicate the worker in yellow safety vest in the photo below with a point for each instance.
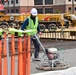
(32, 23)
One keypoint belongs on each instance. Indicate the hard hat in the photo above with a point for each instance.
(33, 11)
(52, 50)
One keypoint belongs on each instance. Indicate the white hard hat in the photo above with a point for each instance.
(52, 50)
(33, 11)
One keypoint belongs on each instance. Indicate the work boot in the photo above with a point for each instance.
(36, 59)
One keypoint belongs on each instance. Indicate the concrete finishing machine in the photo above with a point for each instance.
(51, 59)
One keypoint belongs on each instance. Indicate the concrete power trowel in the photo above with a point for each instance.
(51, 59)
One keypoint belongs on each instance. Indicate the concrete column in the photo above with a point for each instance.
(72, 6)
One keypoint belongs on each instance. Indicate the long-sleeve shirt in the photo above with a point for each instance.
(26, 23)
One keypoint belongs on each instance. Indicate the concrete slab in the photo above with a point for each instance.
(68, 56)
(70, 71)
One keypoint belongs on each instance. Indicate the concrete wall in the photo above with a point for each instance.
(59, 2)
(26, 2)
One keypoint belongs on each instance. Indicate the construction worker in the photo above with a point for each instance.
(32, 23)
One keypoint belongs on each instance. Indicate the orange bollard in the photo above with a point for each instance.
(0, 56)
(28, 56)
(24, 56)
(5, 71)
(20, 57)
(12, 57)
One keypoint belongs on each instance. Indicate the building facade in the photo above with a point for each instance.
(43, 6)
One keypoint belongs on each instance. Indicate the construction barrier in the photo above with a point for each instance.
(12, 61)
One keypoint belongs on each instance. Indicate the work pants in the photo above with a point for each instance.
(36, 47)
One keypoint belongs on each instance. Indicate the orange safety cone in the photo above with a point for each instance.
(12, 57)
(0, 56)
(28, 56)
(20, 57)
(5, 71)
(24, 56)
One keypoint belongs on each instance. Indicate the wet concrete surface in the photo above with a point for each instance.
(68, 55)
(67, 50)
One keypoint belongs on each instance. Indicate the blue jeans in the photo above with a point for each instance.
(36, 47)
